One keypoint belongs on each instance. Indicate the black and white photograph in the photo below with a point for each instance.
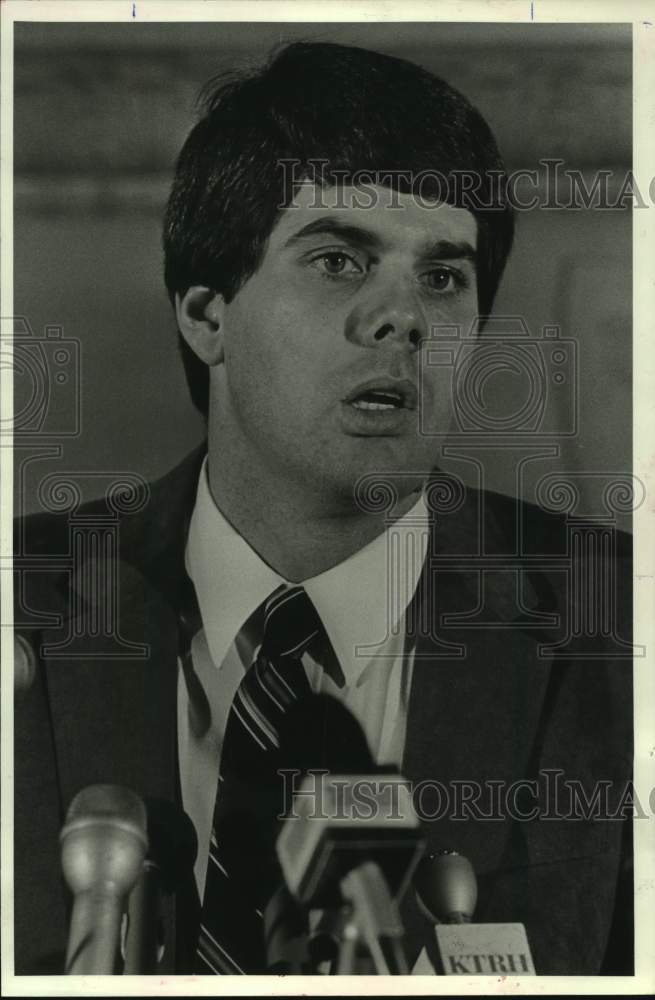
(327, 489)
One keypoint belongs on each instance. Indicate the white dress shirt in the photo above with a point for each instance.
(362, 604)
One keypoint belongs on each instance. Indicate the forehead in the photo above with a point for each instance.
(397, 219)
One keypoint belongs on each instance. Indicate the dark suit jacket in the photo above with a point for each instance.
(497, 696)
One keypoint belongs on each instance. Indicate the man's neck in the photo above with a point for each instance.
(298, 534)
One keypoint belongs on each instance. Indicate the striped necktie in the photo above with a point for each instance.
(242, 870)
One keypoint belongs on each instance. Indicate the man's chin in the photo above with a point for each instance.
(388, 492)
(382, 483)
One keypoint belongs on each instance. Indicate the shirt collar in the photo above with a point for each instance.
(361, 601)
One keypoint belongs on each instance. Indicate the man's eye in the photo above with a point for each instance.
(336, 264)
(444, 279)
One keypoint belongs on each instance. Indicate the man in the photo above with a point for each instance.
(318, 237)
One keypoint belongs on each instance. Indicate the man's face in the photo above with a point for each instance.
(325, 346)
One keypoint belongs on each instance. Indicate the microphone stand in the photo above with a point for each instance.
(371, 938)
(143, 947)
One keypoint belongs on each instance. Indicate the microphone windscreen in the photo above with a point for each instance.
(330, 826)
(446, 887)
(320, 733)
(102, 804)
(104, 839)
(172, 842)
(317, 733)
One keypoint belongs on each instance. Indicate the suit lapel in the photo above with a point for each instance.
(113, 690)
(112, 719)
(478, 683)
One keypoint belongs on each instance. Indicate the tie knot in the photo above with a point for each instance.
(291, 623)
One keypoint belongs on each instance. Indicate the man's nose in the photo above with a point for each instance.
(396, 320)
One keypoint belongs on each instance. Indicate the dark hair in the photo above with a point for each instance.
(353, 111)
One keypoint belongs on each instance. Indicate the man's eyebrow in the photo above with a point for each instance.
(450, 250)
(361, 236)
(333, 227)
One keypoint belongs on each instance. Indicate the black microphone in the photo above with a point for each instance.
(351, 837)
(172, 849)
(285, 934)
(103, 844)
(318, 734)
(344, 807)
(446, 890)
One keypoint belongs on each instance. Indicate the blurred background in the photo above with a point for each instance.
(101, 111)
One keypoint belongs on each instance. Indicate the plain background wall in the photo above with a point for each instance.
(100, 114)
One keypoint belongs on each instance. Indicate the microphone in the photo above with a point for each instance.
(317, 734)
(446, 887)
(285, 934)
(103, 844)
(172, 849)
(352, 839)
(345, 808)
(340, 819)
(446, 890)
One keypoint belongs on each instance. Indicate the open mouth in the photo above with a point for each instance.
(388, 396)
(375, 400)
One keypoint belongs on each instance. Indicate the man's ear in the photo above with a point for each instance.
(200, 314)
